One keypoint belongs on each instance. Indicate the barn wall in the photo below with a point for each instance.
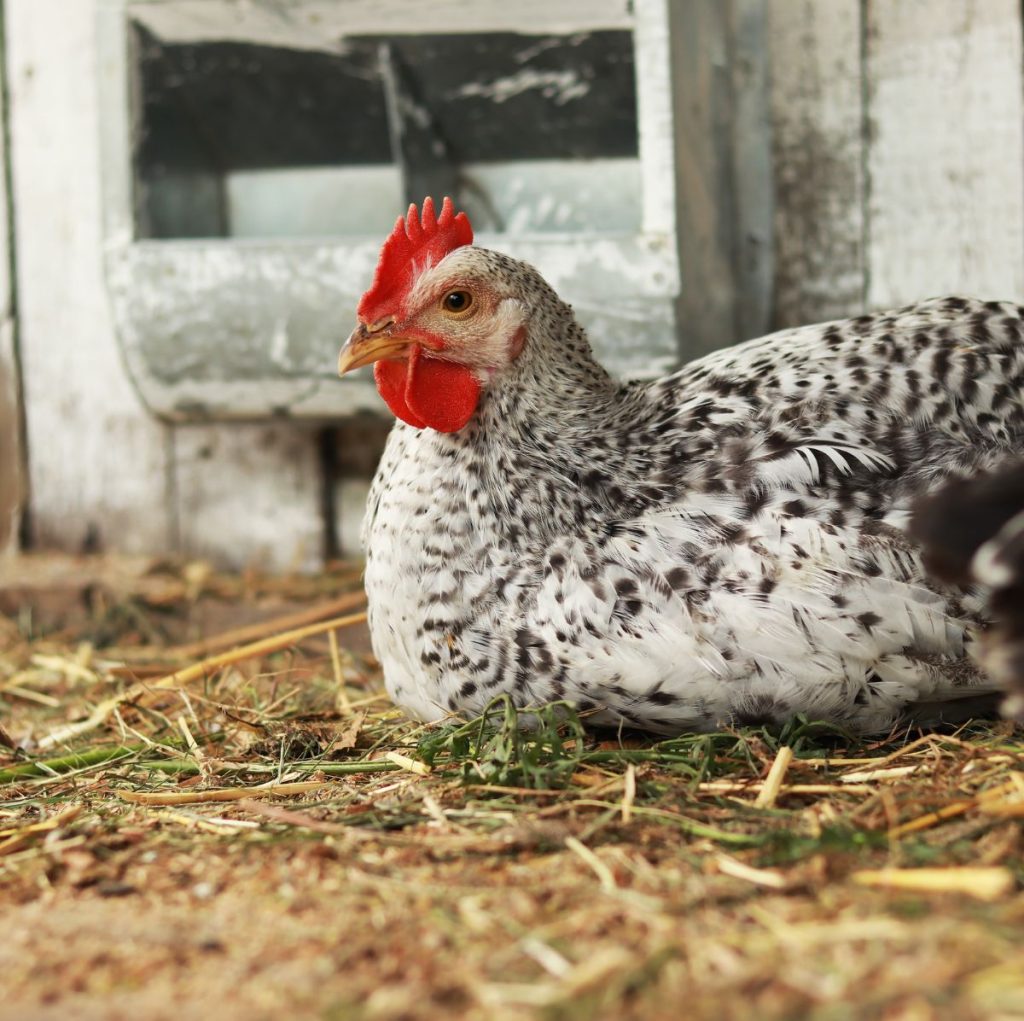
(898, 153)
(897, 171)
(945, 203)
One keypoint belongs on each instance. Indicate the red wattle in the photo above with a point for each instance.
(426, 391)
(390, 377)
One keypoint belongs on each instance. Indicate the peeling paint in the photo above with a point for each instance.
(561, 86)
(240, 329)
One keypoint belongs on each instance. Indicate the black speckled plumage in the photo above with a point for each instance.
(725, 545)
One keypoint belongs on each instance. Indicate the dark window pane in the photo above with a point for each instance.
(425, 106)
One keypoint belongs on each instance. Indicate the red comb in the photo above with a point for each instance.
(415, 244)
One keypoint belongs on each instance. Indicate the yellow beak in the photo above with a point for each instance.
(368, 344)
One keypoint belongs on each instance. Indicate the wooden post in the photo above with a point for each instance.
(818, 150)
(97, 458)
(723, 171)
(12, 456)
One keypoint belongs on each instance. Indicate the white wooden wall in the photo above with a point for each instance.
(898, 143)
(97, 462)
(104, 473)
(898, 173)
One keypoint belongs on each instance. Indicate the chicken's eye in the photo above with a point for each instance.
(457, 302)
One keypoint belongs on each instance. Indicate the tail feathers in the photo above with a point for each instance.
(972, 533)
(954, 712)
(953, 523)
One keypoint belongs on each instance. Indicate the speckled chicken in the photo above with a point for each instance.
(725, 545)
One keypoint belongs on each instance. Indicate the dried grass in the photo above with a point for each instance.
(261, 833)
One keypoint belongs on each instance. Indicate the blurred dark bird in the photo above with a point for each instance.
(971, 532)
(725, 545)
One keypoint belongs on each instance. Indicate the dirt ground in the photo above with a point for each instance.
(266, 837)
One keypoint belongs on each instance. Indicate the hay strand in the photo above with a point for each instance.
(982, 883)
(769, 792)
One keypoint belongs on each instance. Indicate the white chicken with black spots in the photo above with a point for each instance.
(722, 546)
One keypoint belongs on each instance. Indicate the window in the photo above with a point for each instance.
(257, 154)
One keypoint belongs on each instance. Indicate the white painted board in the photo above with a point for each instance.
(322, 24)
(248, 496)
(96, 459)
(103, 469)
(722, 172)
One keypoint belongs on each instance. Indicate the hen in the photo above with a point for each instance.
(725, 545)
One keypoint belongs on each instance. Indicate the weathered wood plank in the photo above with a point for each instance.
(249, 495)
(357, 447)
(96, 458)
(946, 198)
(818, 155)
(12, 482)
(103, 469)
(753, 231)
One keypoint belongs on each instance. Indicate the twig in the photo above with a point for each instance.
(744, 787)
(16, 839)
(286, 622)
(210, 824)
(194, 673)
(29, 695)
(339, 676)
(889, 773)
(186, 767)
(288, 817)
(628, 794)
(411, 765)
(687, 825)
(951, 811)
